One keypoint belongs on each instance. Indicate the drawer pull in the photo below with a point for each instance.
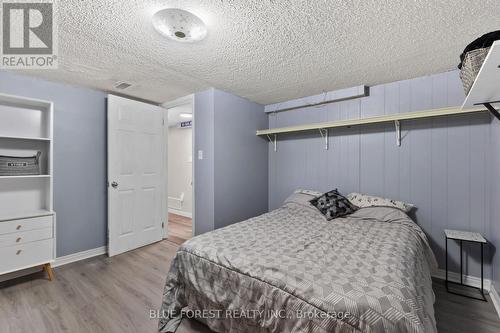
(18, 227)
(18, 252)
(18, 239)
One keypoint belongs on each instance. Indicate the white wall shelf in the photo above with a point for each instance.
(486, 87)
(396, 118)
(373, 120)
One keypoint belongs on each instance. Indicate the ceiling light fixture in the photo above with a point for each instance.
(179, 25)
(186, 115)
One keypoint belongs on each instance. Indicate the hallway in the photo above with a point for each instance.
(180, 228)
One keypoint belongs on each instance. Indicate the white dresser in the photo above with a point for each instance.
(27, 219)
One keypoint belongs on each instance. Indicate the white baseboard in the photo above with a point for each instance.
(58, 262)
(80, 256)
(470, 280)
(180, 212)
(495, 299)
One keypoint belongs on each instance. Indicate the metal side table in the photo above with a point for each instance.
(465, 236)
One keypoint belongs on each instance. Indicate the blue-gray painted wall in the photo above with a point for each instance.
(231, 180)
(442, 166)
(241, 161)
(204, 169)
(79, 159)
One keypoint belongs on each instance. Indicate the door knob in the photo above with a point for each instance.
(114, 184)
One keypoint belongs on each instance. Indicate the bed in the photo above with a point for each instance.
(291, 270)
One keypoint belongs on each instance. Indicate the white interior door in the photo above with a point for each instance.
(136, 174)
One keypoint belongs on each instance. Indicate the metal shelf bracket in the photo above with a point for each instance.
(492, 110)
(324, 135)
(397, 124)
(273, 141)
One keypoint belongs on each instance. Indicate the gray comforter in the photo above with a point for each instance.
(291, 270)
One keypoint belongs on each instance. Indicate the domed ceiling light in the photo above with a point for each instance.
(179, 25)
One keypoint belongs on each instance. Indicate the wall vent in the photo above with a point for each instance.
(122, 85)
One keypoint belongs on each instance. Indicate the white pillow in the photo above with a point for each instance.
(310, 192)
(303, 198)
(363, 200)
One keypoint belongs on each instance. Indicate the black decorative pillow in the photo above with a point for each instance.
(333, 204)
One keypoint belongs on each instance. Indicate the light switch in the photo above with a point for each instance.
(200, 154)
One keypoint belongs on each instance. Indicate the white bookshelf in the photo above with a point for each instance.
(26, 201)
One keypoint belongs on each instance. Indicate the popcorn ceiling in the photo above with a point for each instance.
(267, 51)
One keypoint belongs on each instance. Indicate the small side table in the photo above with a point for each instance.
(465, 236)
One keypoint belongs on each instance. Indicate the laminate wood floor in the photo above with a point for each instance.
(180, 228)
(104, 294)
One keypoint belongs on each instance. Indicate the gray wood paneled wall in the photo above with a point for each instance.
(441, 166)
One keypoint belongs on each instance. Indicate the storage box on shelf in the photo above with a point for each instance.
(27, 219)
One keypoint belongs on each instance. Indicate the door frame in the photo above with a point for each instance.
(186, 100)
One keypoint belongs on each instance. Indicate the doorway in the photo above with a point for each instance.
(180, 198)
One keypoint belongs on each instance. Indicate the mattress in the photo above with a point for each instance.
(291, 270)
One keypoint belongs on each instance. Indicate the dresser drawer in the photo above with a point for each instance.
(25, 255)
(42, 222)
(17, 238)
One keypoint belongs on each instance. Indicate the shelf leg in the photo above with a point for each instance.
(461, 274)
(48, 269)
(446, 261)
(482, 278)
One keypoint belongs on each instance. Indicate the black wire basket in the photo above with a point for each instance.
(20, 166)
